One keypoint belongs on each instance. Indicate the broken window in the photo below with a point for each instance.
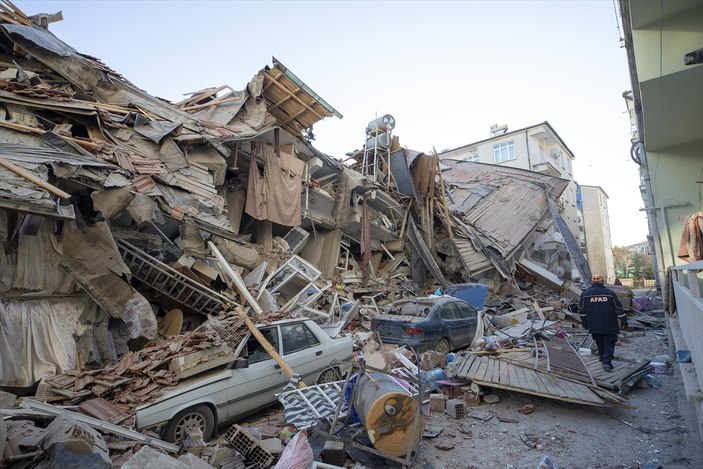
(255, 350)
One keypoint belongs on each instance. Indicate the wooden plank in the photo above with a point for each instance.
(555, 385)
(512, 376)
(31, 177)
(474, 366)
(527, 378)
(481, 371)
(537, 377)
(495, 370)
(489, 368)
(204, 366)
(548, 395)
(503, 373)
(581, 391)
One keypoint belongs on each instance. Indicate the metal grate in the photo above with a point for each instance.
(226, 329)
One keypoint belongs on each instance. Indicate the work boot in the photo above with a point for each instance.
(607, 367)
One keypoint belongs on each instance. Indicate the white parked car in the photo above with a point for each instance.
(249, 383)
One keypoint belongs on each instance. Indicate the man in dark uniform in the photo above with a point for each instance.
(600, 309)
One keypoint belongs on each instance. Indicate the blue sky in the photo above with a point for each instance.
(446, 71)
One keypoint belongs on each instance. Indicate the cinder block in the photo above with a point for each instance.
(456, 408)
(437, 402)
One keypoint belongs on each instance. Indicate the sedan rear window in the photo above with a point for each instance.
(448, 311)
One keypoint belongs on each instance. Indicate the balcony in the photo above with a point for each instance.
(687, 329)
(547, 168)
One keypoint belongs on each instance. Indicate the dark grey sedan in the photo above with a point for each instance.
(439, 323)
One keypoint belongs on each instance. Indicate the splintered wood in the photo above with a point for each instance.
(138, 377)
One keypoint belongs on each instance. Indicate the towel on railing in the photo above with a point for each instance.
(691, 245)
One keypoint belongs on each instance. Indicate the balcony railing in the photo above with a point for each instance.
(687, 330)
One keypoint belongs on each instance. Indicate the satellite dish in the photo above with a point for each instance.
(555, 153)
(559, 271)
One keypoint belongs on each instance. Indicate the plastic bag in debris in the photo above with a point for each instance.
(545, 463)
(652, 381)
(297, 454)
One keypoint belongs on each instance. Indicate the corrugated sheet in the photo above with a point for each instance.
(489, 174)
(508, 215)
(474, 261)
(504, 205)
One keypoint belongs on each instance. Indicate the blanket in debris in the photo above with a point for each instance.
(275, 196)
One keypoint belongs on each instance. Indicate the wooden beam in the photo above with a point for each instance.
(31, 177)
(444, 198)
(300, 101)
(235, 279)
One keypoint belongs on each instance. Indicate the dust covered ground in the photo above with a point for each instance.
(663, 432)
(573, 436)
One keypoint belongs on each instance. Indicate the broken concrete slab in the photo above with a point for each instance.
(194, 462)
(7, 400)
(238, 254)
(150, 458)
(110, 202)
(64, 429)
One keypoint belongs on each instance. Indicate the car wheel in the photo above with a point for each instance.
(196, 416)
(442, 346)
(328, 376)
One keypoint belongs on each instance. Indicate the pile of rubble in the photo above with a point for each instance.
(141, 240)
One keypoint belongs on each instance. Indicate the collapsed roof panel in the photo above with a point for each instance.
(500, 206)
(292, 102)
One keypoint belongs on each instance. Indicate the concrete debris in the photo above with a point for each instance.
(194, 462)
(150, 458)
(150, 247)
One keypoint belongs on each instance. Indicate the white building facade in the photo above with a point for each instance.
(596, 223)
(536, 148)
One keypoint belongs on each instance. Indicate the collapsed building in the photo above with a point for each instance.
(109, 196)
(125, 218)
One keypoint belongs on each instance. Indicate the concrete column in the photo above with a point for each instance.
(235, 208)
(323, 252)
(264, 234)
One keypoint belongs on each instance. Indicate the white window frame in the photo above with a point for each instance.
(504, 151)
(472, 157)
